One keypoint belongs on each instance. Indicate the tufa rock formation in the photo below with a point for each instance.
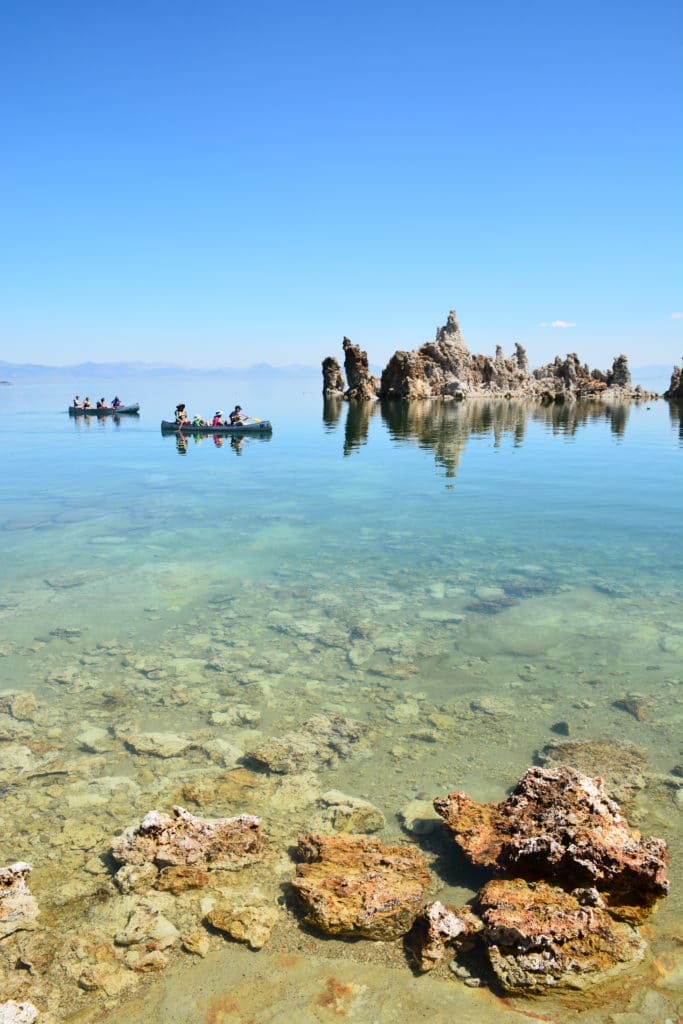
(675, 392)
(539, 937)
(362, 384)
(333, 379)
(445, 368)
(356, 886)
(560, 826)
(185, 840)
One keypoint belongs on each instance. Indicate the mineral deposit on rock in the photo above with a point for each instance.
(437, 926)
(355, 885)
(184, 840)
(539, 936)
(12, 1012)
(18, 908)
(321, 739)
(560, 825)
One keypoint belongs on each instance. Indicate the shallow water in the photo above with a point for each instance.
(470, 580)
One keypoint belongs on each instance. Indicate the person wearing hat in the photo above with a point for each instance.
(217, 420)
(237, 417)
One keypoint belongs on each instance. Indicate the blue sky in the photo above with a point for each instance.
(217, 184)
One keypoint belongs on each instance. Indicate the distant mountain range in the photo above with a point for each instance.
(22, 371)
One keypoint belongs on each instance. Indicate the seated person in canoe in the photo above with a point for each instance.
(115, 402)
(237, 417)
(77, 401)
(86, 403)
(102, 403)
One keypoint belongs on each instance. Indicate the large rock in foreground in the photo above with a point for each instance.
(356, 886)
(187, 840)
(560, 825)
(539, 937)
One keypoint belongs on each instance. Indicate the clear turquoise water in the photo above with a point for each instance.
(461, 577)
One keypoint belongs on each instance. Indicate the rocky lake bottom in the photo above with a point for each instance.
(153, 658)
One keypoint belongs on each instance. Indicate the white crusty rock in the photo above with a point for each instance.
(17, 1013)
(184, 839)
(18, 908)
(437, 926)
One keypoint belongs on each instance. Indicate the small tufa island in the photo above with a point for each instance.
(445, 368)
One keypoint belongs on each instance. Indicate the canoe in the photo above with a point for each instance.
(262, 427)
(123, 410)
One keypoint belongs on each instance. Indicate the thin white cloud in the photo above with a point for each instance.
(677, 316)
(558, 323)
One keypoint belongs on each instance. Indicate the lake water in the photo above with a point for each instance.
(471, 581)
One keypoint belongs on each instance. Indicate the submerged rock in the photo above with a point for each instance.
(538, 936)
(621, 766)
(356, 886)
(160, 744)
(320, 740)
(419, 817)
(187, 840)
(252, 925)
(349, 813)
(560, 825)
(18, 908)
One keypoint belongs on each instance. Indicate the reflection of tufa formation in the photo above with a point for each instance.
(445, 368)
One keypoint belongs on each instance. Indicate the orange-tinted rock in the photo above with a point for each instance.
(561, 826)
(355, 885)
(539, 937)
